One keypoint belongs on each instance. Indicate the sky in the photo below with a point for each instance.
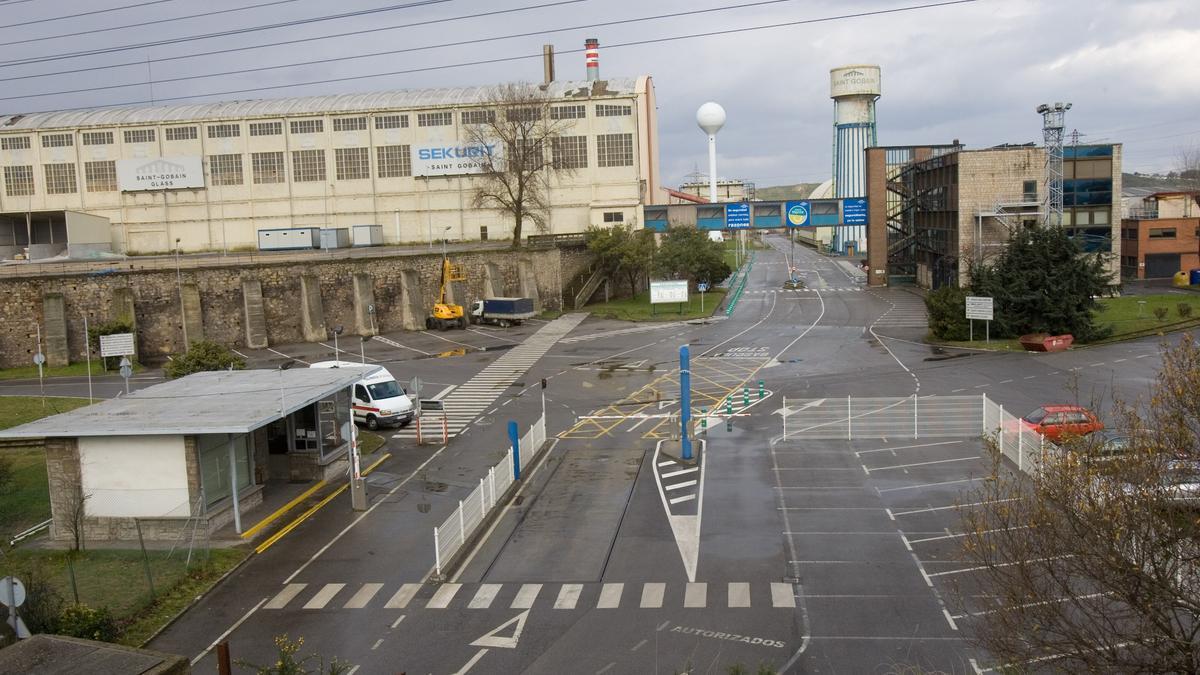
(973, 71)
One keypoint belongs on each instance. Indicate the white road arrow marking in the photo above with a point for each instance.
(685, 528)
(806, 406)
(510, 642)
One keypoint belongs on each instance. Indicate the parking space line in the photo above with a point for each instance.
(907, 466)
(959, 535)
(953, 506)
(925, 485)
(905, 447)
(1026, 605)
(290, 358)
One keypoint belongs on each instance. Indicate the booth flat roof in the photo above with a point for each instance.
(221, 402)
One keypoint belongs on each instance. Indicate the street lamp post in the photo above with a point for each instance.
(337, 353)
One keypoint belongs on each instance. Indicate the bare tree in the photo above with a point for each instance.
(76, 511)
(1093, 563)
(1188, 161)
(527, 148)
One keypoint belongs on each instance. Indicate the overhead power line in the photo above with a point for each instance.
(230, 50)
(507, 59)
(225, 33)
(91, 13)
(406, 50)
(143, 23)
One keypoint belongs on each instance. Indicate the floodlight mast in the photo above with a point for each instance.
(1052, 135)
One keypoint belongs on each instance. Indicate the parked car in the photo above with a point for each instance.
(1109, 445)
(1058, 421)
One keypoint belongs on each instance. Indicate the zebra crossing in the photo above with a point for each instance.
(468, 401)
(907, 310)
(561, 596)
(785, 291)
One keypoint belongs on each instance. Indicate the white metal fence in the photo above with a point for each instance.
(915, 417)
(453, 533)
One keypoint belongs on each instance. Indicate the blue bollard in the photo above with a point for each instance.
(515, 437)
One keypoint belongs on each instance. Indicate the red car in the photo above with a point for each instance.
(1056, 421)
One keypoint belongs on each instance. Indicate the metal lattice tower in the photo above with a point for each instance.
(1052, 135)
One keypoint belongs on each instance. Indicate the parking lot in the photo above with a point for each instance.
(873, 531)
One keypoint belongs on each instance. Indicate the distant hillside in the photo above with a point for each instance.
(782, 192)
(1156, 182)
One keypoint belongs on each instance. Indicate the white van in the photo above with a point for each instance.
(379, 400)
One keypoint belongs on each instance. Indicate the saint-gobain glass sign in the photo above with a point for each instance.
(450, 160)
(160, 173)
(668, 291)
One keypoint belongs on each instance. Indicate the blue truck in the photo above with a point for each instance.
(503, 312)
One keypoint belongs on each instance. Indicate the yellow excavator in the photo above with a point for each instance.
(444, 314)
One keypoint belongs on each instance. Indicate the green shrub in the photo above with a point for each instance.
(43, 605)
(1160, 313)
(1184, 310)
(947, 308)
(90, 623)
(204, 355)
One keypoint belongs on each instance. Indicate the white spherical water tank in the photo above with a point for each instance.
(711, 117)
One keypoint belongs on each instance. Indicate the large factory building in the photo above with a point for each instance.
(211, 176)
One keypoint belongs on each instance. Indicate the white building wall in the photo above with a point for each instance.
(134, 476)
(227, 217)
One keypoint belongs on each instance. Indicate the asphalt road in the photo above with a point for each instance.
(804, 555)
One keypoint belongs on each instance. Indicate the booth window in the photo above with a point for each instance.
(213, 451)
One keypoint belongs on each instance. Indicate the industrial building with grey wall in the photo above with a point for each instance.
(935, 209)
(210, 176)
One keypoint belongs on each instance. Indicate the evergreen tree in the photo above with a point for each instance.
(688, 253)
(1043, 283)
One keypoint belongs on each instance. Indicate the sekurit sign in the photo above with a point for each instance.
(160, 173)
(450, 159)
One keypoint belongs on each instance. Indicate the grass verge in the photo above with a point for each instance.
(369, 442)
(30, 372)
(25, 502)
(639, 308)
(116, 579)
(1128, 316)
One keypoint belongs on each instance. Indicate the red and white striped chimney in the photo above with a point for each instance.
(591, 57)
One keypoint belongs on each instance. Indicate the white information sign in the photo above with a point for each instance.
(979, 308)
(450, 159)
(160, 173)
(117, 344)
(662, 292)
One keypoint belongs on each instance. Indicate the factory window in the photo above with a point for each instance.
(614, 150)
(530, 151)
(352, 163)
(267, 167)
(1162, 233)
(825, 208)
(225, 169)
(614, 217)
(100, 176)
(224, 131)
(570, 152)
(606, 110)
(435, 119)
(14, 143)
(393, 161)
(1091, 168)
(181, 133)
(18, 180)
(97, 138)
(60, 179)
(391, 122)
(308, 166)
(1029, 189)
(58, 141)
(139, 136)
(308, 126)
(523, 114)
(478, 116)
(568, 112)
(483, 233)
(266, 128)
(349, 124)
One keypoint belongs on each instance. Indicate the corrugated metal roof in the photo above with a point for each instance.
(278, 107)
(222, 402)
